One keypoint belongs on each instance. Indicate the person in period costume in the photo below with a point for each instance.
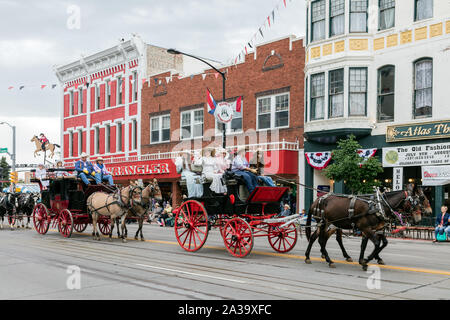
(41, 174)
(60, 173)
(84, 169)
(241, 168)
(101, 173)
(183, 165)
(257, 162)
(210, 170)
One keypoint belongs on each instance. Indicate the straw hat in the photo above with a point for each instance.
(84, 155)
(99, 159)
(287, 206)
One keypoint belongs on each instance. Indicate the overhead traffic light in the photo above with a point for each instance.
(14, 177)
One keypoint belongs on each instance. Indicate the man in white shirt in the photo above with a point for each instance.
(41, 174)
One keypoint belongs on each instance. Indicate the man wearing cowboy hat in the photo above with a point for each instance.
(84, 169)
(242, 168)
(101, 174)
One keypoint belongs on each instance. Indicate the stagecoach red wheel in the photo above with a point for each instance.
(104, 224)
(80, 227)
(282, 239)
(191, 225)
(41, 218)
(65, 223)
(238, 237)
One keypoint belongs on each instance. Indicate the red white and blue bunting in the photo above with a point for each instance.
(318, 160)
(367, 153)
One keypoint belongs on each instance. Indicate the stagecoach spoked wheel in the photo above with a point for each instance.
(104, 224)
(282, 239)
(65, 223)
(191, 225)
(41, 218)
(80, 227)
(238, 237)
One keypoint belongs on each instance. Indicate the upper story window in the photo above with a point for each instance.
(160, 129)
(273, 111)
(97, 97)
(80, 141)
(107, 138)
(358, 15)
(423, 88)
(71, 151)
(119, 91)
(135, 86)
(108, 94)
(386, 14)
(191, 124)
(80, 100)
(336, 93)
(318, 20)
(357, 91)
(423, 9)
(119, 137)
(337, 17)
(386, 93)
(317, 96)
(97, 140)
(72, 104)
(134, 134)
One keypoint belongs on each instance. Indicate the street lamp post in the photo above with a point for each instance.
(174, 51)
(13, 154)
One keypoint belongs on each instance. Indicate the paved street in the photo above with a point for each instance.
(35, 267)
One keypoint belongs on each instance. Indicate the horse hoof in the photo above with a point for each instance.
(381, 262)
(322, 256)
(332, 265)
(349, 259)
(308, 261)
(136, 238)
(142, 239)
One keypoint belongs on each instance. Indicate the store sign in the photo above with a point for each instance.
(418, 131)
(435, 175)
(129, 170)
(397, 179)
(419, 155)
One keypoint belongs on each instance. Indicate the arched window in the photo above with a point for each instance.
(423, 88)
(386, 93)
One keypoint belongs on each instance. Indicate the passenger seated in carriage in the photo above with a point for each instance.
(211, 170)
(41, 174)
(241, 168)
(84, 169)
(183, 164)
(60, 173)
(257, 162)
(101, 174)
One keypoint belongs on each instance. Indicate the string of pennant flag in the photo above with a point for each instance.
(41, 86)
(267, 23)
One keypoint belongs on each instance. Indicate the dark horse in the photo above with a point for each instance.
(349, 212)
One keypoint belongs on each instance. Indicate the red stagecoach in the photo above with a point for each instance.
(239, 216)
(63, 206)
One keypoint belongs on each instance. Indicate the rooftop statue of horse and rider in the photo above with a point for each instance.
(367, 213)
(43, 144)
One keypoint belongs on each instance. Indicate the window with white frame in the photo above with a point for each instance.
(336, 93)
(97, 97)
(96, 140)
(318, 20)
(160, 129)
(234, 126)
(72, 104)
(423, 9)
(135, 86)
(71, 144)
(357, 91)
(191, 124)
(386, 14)
(80, 141)
(108, 94)
(119, 91)
(119, 136)
(273, 111)
(107, 138)
(386, 93)
(423, 88)
(80, 100)
(358, 15)
(134, 129)
(317, 96)
(337, 17)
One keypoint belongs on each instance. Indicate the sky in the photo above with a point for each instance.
(36, 36)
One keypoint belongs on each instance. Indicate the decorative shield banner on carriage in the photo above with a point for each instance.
(318, 160)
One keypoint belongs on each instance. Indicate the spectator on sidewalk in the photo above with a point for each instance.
(442, 222)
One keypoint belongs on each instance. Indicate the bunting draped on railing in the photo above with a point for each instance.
(268, 23)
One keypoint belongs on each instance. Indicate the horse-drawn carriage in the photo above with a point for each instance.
(63, 205)
(240, 216)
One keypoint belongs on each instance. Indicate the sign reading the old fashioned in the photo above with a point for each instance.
(419, 155)
(418, 131)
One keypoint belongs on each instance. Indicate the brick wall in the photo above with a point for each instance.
(278, 67)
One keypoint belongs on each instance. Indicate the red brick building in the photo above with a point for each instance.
(271, 83)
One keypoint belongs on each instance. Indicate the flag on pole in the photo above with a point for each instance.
(43, 86)
(211, 102)
(238, 104)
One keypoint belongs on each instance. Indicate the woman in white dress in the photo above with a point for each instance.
(183, 164)
(211, 170)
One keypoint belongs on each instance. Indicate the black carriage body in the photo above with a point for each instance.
(237, 201)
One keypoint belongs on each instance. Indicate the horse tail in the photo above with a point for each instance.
(308, 223)
(57, 145)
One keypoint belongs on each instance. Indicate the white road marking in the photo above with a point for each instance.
(190, 273)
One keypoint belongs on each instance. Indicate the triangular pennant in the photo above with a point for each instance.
(10, 88)
(192, 76)
(268, 19)
(43, 86)
(167, 79)
(246, 52)
(260, 31)
(249, 44)
(216, 75)
(204, 76)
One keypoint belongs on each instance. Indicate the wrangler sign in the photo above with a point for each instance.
(141, 169)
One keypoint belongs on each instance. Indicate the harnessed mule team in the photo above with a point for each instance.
(16, 206)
